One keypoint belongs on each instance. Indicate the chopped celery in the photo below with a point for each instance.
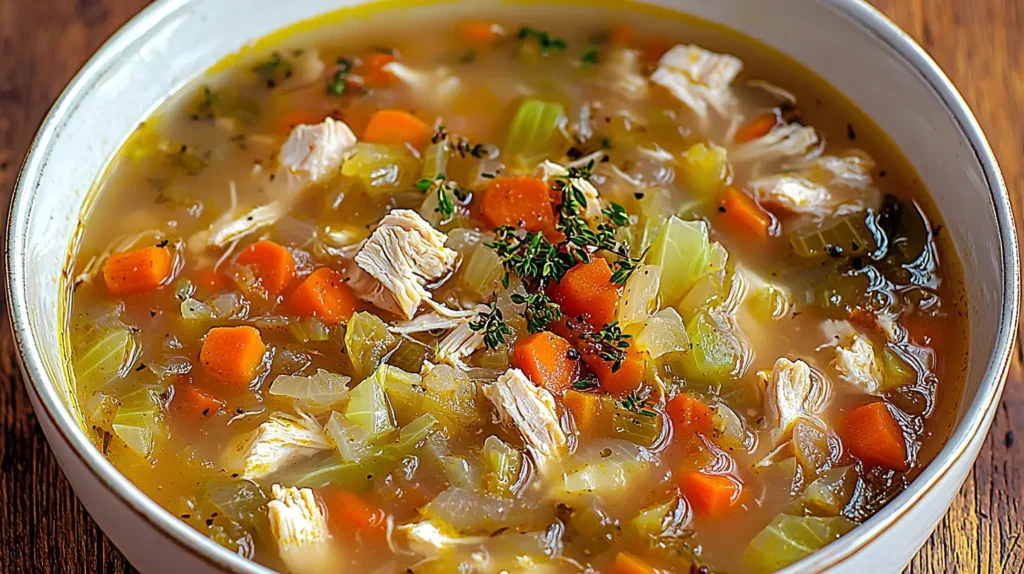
(315, 392)
(663, 333)
(368, 405)
(456, 410)
(651, 521)
(851, 236)
(705, 170)
(829, 494)
(715, 351)
(639, 296)
(104, 355)
(502, 466)
(240, 500)
(435, 160)
(382, 169)
(532, 134)
(409, 356)
(654, 208)
(481, 271)
(352, 440)
(769, 302)
(309, 329)
(194, 310)
(638, 428)
(138, 420)
(682, 251)
(789, 538)
(898, 372)
(368, 341)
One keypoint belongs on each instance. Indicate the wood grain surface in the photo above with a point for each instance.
(43, 527)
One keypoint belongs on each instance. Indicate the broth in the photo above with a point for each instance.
(788, 372)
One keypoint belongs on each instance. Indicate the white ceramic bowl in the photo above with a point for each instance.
(845, 41)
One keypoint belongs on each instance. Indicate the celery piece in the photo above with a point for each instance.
(382, 169)
(456, 410)
(309, 329)
(705, 170)
(409, 356)
(830, 493)
(682, 251)
(367, 341)
(533, 132)
(138, 420)
(898, 372)
(368, 405)
(435, 160)
(651, 521)
(715, 352)
(850, 236)
(502, 466)
(636, 427)
(240, 500)
(769, 303)
(103, 356)
(789, 538)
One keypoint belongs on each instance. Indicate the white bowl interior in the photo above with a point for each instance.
(178, 39)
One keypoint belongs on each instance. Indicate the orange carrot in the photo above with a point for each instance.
(233, 355)
(586, 291)
(193, 404)
(689, 415)
(548, 360)
(285, 123)
(585, 408)
(397, 127)
(481, 33)
(743, 215)
(138, 271)
(520, 202)
(628, 377)
(626, 563)
(872, 434)
(620, 35)
(709, 494)
(755, 128)
(372, 70)
(272, 264)
(348, 513)
(323, 294)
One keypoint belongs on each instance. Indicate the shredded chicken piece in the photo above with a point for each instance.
(462, 342)
(424, 322)
(792, 193)
(792, 394)
(439, 85)
(698, 78)
(277, 442)
(549, 171)
(531, 410)
(777, 92)
(852, 169)
(620, 71)
(401, 257)
(427, 539)
(314, 153)
(782, 142)
(858, 365)
(300, 528)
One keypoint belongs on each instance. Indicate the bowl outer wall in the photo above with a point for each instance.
(847, 42)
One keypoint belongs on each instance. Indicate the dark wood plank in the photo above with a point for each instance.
(43, 527)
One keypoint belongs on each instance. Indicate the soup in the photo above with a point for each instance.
(559, 289)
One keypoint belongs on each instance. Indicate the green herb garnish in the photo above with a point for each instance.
(637, 404)
(445, 206)
(274, 69)
(589, 58)
(494, 327)
(540, 310)
(612, 344)
(546, 42)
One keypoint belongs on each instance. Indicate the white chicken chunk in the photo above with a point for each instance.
(300, 528)
(530, 409)
(314, 153)
(792, 394)
(549, 171)
(782, 142)
(852, 169)
(275, 443)
(458, 345)
(402, 256)
(698, 78)
(439, 85)
(428, 539)
(858, 365)
(793, 193)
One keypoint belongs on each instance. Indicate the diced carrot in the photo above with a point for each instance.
(372, 70)
(872, 434)
(585, 408)
(626, 563)
(272, 264)
(620, 35)
(626, 379)
(397, 127)
(743, 215)
(709, 494)
(323, 294)
(192, 404)
(520, 202)
(285, 123)
(755, 128)
(548, 360)
(138, 271)
(233, 355)
(586, 291)
(348, 513)
(481, 33)
(690, 415)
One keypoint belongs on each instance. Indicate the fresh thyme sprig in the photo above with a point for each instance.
(611, 343)
(531, 257)
(445, 206)
(540, 310)
(458, 144)
(546, 41)
(637, 404)
(494, 327)
(589, 381)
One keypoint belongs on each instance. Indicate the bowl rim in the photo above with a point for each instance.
(45, 394)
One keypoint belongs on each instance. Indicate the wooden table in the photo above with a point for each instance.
(44, 528)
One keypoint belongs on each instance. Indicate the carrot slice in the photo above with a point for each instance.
(397, 127)
(629, 376)
(755, 128)
(586, 291)
(138, 271)
(481, 33)
(626, 563)
(743, 215)
(272, 264)
(584, 407)
(548, 360)
(620, 35)
(872, 434)
(323, 294)
(709, 494)
(348, 513)
(233, 354)
(372, 70)
(192, 404)
(690, 415)
(285, 123)
(520, 202)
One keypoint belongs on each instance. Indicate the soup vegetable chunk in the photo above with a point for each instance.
(518, 296)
